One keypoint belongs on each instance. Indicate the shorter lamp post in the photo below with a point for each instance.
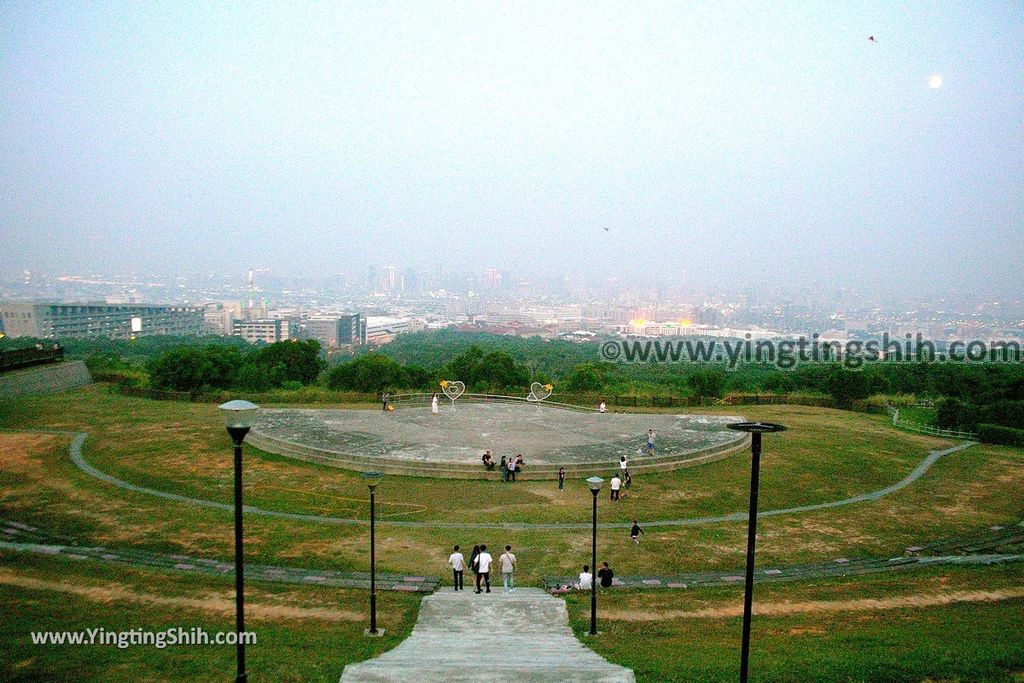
(238, 419)
(372, 479)
(595, 484)
(755, 429)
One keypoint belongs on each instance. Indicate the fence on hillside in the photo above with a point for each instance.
(36, 355)
(922, 428)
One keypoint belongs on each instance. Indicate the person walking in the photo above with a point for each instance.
(650, 441)
(433, 404)
(507, 562)
(634, 533)
(616, 485)
(483, 562)
(458, 564)
(474, 566)
(561, 478)
(605, 575)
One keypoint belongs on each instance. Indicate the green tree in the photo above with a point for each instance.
(291, 361)
(370, 373)
(195, 369)
(710, 383)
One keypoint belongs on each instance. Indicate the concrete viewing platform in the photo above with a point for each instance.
(412, 441)
(504, 637)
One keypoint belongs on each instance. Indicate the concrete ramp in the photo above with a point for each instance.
(505, 637)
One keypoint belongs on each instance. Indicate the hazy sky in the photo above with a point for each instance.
(715, 141)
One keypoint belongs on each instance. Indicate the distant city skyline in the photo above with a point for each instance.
(703, 146)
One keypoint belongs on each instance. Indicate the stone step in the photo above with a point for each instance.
(462, 636)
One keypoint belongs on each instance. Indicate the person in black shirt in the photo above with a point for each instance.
(605, 575)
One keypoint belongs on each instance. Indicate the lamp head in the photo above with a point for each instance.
(239, 413)
(595, 483)
(372, 479)
(238, 418)
(756, 427)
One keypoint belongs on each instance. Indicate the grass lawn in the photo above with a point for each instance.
(309, 633)
(182, 448)
(902, 636)
(303, 633)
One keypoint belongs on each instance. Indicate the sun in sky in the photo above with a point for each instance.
(935, 81)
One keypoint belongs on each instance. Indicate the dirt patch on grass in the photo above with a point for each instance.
(19, 453)
(211, 602)
(821, 606)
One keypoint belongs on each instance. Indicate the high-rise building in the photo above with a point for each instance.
(390, 278)
(268, 330)
(335, 331)
(59, 321)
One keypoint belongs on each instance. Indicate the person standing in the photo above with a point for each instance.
(635, 532)
(458, 564)
(513, 465)
(385, 397)
(483, 562)
(650, 441)
(504, 468)
(507, 562)
(624, 470)
(561, 478)
(433, 404)
(605, 575)
(616, 485)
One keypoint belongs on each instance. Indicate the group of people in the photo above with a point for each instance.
(508, 466)
(604, 577)
(480, 562)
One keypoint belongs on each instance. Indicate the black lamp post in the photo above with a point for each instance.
(372, 479)
(595, 484)
(755, 429)
(238, 418)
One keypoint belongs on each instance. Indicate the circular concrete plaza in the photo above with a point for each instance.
(546, 435)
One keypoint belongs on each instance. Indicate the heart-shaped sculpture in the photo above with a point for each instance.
(539, 392)
(453, 389)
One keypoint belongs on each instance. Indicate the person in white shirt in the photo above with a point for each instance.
(458, 565)
(586, 581)
(650, 441)
(616, 485)
(507, 561)
(433, 404)
(603, 408)
(483, 571)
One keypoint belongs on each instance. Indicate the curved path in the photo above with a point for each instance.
(917, 473)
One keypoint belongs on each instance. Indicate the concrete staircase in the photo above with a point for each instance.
(504, 637)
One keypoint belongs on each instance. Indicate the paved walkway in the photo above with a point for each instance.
(917, 473)
(995, 545)
(515, 637)
(27, 538)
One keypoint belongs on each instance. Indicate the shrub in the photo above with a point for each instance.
(1007, 436)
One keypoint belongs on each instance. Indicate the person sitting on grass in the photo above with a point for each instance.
(586, 580)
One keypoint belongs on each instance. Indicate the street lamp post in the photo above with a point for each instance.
(372, 479)
(595, 484)
(755, 429)
(238, 419)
